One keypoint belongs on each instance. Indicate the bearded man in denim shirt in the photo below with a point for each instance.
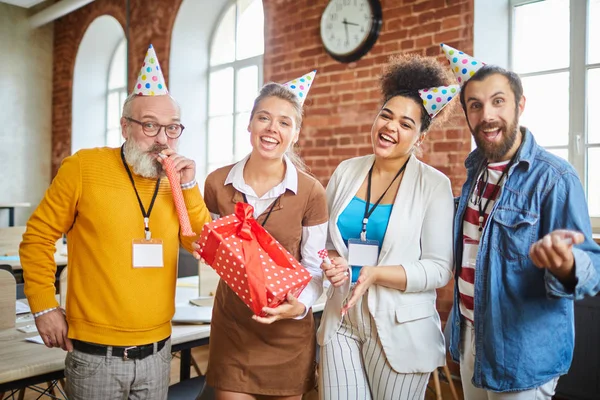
(523, 248)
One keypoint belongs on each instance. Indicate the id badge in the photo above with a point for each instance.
(147, 253)
(363, 253)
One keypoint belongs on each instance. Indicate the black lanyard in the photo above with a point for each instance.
(144, 213)
(363, 233)
(482, 189)
(270, 209)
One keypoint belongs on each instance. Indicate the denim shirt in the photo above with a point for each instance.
(524, 327)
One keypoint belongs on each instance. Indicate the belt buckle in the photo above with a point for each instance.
(125, 358)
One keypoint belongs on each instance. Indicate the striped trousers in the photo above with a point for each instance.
(353, 365)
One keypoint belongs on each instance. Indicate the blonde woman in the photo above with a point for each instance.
(270, 357)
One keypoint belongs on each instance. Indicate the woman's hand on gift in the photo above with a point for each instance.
(291, 308)
(337, 272)
(367, 277)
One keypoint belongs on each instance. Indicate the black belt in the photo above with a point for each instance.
(127, 352)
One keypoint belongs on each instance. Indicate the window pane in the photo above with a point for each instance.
(547, 95)
(118, 68)
(593, 181)
(113, 113)
(541, 34)
(222, 49)
(593, 105)
(242, 136)
(594, 32)
(114, 137)
(562, 153)
(122, 98)
(220, 140)
(250, 29)
(246, 88)
(220, 101)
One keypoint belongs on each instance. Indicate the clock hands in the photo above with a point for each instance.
(345, 22)
(346, 28)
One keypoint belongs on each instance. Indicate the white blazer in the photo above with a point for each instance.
(418, 237)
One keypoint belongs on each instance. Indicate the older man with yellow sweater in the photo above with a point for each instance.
(123, 237)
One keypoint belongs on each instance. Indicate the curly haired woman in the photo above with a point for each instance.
(390, 245)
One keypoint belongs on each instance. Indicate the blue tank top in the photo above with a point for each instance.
(350, 224)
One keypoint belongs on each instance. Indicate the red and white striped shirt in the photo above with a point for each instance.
(472, 235)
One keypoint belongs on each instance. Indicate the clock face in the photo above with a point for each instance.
(349, 28)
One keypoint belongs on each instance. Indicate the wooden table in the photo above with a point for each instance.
(23, 363)
(11, 210)
(11, 237)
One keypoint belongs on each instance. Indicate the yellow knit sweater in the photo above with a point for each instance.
(108, 302)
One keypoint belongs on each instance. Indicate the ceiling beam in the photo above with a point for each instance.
(56, 11)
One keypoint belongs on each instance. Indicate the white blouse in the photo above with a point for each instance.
(313, 237)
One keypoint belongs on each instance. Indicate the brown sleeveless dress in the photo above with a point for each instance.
(247, 356)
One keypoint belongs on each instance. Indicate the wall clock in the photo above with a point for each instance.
(350, 28)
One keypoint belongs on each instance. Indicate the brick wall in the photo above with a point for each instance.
(345, 98)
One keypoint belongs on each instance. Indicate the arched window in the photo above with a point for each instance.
(96, 57)
(115, 94)
(235, 75)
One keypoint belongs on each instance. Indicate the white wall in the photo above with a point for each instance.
(90, 82)
(188, 73)
(25, 110)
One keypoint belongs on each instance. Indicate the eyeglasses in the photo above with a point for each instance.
(151, 129)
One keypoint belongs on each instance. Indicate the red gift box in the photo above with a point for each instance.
(252, 263)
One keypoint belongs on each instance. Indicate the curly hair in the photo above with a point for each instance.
(405, 74)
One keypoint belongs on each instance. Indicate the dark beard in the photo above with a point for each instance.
(495, 152)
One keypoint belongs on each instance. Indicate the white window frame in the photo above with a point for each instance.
(578, 70)
(236, 65)
(121, 90)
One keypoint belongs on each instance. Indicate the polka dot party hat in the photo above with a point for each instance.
(436, 98)
(301, 86)
(463, 65)
(150, 80)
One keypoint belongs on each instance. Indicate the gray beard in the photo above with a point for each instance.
(143, 162)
